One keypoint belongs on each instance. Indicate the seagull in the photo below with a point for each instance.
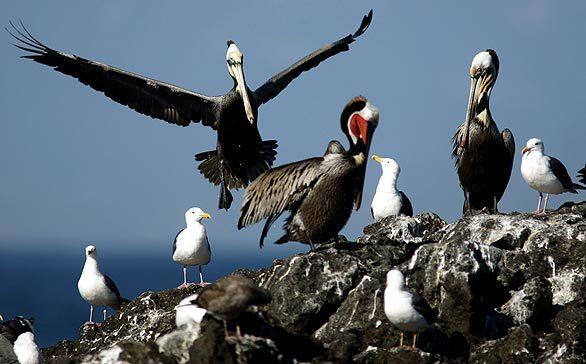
(17, 342)
(188, 313)
(11, 329)
(97, 289)
(388, 200)
(545, 174)
(191, 245)
(226, 300)
(406, 311)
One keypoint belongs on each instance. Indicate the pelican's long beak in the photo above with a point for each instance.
(470, 111)
(376, 158)
(366, 132)
(205, 215)
(241, 86)
(525, 150)
(479, 85)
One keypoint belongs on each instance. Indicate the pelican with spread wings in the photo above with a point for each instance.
(241, 154)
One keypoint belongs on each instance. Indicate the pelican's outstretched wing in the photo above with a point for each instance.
(150, 97)
(278, 190)
(277, 83)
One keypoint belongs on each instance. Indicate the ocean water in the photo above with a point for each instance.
(40, 280)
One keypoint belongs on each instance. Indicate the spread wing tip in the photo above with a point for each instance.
(364, 25)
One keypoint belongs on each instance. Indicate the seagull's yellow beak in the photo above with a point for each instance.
(205, 215)
(525, 149)
(377, 158)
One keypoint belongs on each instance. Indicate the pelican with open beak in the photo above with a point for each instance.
(484, 156)
(234, 60)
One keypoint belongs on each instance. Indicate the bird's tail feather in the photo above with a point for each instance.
(221, 172)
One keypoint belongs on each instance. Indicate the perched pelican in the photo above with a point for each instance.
(545, 174)
(407, 311)
(388, 200)
(319, 191)
(241, 154)
(96, 288)
(191, 245)
(484, 156)
(225, 299)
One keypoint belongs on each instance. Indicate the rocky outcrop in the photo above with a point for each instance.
(506, 289)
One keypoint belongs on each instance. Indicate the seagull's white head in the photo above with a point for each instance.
(235, 62)
(195, 214)
(90, 251)
(533, 145)
(389, 165)
(395, 279)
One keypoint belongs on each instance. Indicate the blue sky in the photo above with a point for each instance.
(77, 167)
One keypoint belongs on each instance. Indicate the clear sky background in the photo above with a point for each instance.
(77, 167)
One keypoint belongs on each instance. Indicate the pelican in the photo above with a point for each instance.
(484, 156)
(319, 192)
(241, 154)
(545, 174)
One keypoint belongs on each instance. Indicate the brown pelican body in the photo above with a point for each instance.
(484, 156)
(319, 192)
(241, 154)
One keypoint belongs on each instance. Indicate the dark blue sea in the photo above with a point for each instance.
(40, 280)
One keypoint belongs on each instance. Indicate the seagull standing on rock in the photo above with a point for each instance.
(545, 174)
(388, 200)
(407, 311)
(191, 245)
(96, 288)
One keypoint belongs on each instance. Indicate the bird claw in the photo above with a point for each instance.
(90, 323)
(203, 284)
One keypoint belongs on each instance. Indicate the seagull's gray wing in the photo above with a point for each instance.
(421, 305)
(279, 82)
(406, 207)
(561, 173)
(150, 97)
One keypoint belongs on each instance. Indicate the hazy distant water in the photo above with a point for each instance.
(42, 282)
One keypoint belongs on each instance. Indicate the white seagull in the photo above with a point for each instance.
(188, 313)
(545, 174)
(17, 342)
(96, 288)
(191, 245)
(388, 200)
(407, 311)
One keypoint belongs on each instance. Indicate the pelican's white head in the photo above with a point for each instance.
(389, 165)
(195, 214)
(395, 279)
(235, 61)
(533, 145)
